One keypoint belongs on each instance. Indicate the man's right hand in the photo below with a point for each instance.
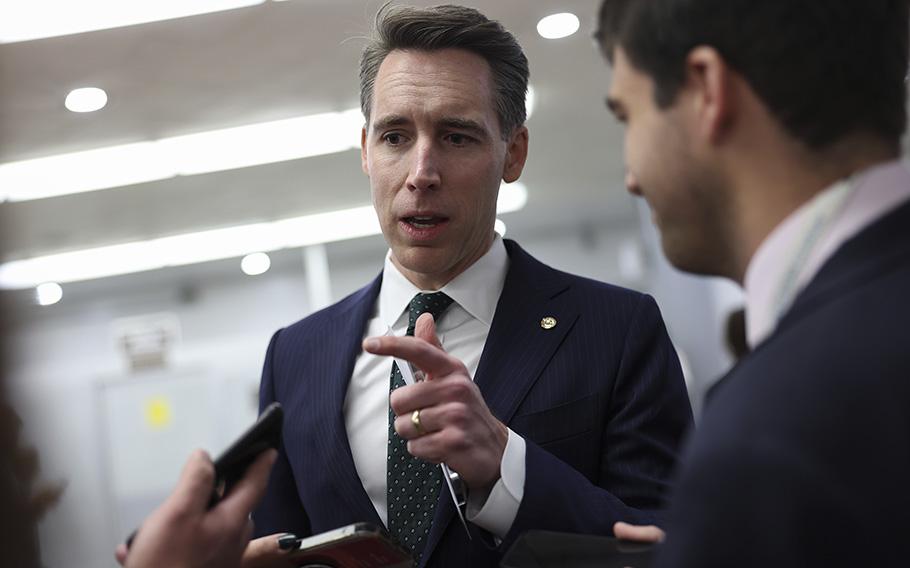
(458, 426)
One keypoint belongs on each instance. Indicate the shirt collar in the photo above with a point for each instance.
(477, 289)
(766, 269)
(876, 191)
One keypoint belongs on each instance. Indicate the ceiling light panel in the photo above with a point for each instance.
(24, 20)
(77, 172)
(264, 143)
(187, 248)
(216, 150)
(216, 244)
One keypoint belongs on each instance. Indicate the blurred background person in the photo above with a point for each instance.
(24, 499)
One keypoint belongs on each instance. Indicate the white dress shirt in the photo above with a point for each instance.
(796, 249)
(463, 330)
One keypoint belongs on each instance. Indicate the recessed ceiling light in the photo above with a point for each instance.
(255, 264)
(86, 99)
(556, 26)
(48, 293)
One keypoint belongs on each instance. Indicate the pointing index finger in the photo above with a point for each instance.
(425, 328)
(428, 358)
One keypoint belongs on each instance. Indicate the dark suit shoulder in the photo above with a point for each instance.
(623, 305)
(809, 434)
(611, 291)
(848, 356)
(587, 291)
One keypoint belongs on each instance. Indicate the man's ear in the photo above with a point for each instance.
(516, 154)
(710, 83)
(364, 164)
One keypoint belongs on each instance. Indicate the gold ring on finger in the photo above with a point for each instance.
(415, 420)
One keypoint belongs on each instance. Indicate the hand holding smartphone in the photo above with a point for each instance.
(360, 545)
(231, 465)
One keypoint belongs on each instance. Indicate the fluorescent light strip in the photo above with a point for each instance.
(210, 151)
(188, 248)
(25, 20)
(191, 248)
(204, 152)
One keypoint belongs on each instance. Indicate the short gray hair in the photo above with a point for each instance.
(447, 26)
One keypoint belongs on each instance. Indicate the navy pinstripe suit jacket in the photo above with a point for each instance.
(600, 400)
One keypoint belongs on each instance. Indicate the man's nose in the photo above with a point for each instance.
(424, 172)
(632, 184)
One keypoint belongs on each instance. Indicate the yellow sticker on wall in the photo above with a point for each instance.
(158, 413)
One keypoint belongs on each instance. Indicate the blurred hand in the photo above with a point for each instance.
(456, 426)
(182, 533)
(638, 533)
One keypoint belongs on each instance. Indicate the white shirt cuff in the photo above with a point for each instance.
(496, 511)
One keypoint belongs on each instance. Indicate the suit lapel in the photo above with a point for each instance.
(517, 349)
(881, 247)
(520, 343)
(878, 249)
(345, 332)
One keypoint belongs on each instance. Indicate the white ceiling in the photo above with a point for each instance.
(266, 62)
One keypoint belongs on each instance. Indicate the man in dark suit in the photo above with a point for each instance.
(558, 400)
(766, 142)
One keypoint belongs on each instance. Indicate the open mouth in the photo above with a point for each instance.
(424, 222)
(426, 227)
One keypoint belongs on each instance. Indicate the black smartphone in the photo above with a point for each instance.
(232, 463)
(230, 466)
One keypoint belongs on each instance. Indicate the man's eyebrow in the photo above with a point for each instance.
(465, 124)
(458, 123)
(390, 121)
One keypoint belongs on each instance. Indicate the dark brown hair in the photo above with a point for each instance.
(826, 69)
(442, 27)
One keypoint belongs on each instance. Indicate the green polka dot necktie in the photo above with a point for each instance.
(413, 484)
